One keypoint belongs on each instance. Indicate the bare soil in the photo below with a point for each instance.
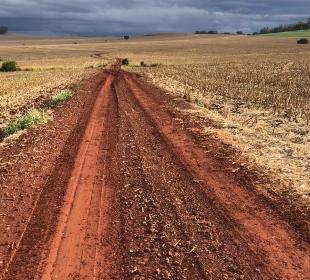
(130, 193)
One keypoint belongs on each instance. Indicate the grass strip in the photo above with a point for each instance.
(59, 98)
(30, 119)
(34, 116)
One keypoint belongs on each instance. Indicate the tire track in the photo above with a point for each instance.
(71, 254)
(145, 201)
(258, 224)
(197, 222)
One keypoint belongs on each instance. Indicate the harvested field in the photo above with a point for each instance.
(259, 104)
(190, 169)
(281, 86)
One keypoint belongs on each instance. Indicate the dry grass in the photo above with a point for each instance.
(281, 85)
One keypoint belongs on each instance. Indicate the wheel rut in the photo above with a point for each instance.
(81, 223)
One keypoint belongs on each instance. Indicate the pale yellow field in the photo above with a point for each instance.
(279, 84)
(182, 49)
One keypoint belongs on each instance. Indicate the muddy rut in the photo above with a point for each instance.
(144, 200)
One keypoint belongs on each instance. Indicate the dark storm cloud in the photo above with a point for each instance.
(142, 16)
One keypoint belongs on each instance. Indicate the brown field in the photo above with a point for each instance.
(209, 149)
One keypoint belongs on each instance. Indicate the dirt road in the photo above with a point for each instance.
(145, 200)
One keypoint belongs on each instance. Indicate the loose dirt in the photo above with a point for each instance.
(141, 198)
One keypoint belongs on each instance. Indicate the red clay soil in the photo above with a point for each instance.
(140, 198)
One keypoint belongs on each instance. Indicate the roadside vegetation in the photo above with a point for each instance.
(23, 90)
(28, 120)
(35, 116)
(59, 98)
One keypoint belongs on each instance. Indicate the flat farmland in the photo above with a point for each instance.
(190, 162)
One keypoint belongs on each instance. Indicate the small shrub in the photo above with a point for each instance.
(9, 66)
(303, 41)
(31, 118)
(142, 64)
(59, 98)
(125, 61)
(155, 65)
(126, 37)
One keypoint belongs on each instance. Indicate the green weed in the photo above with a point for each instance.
(59, 98)
(30, 119)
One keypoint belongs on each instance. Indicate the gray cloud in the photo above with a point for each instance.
(144, 16)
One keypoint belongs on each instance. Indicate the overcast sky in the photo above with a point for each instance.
(146, 16)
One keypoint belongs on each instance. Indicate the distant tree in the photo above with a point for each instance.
(213, 32)
(226, 33)
(265, 30)
(239, 32)
(126, 37)
(4, 30)
(201, 32)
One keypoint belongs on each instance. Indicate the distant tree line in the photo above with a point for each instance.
(4, 30)
(286, 27)
(216, 32)
(206, 32)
